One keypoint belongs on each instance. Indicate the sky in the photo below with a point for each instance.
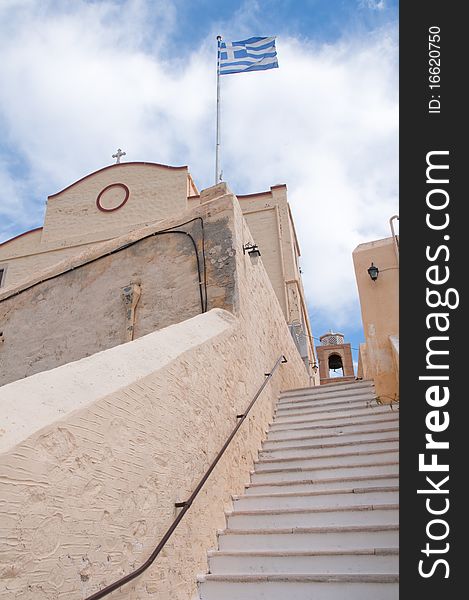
(81, 78)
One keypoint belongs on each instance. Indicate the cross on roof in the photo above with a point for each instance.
(118, 155)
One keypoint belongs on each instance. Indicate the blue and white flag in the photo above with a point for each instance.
(254, 54)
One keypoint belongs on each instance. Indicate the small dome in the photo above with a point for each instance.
(332, 339)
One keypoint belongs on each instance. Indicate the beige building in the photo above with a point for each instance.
(140, 331)
(377, 274)
(127, 196)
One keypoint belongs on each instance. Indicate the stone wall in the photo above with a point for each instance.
(95, 453)
(105, 454)
(264, 226)
(21, 268)
(271, 224)
(73, 220)
(80, 307)
(75, 224)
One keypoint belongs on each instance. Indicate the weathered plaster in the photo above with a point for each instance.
(269, 220)
(73, 217)
(379, 302)
(394, 339)
(73, 222)
(82, 310)
(96, 452)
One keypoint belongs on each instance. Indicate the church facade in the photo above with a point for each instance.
(126, 197)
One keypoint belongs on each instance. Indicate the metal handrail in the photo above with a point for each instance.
(187, 504)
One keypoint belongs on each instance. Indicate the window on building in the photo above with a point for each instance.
(2, 275)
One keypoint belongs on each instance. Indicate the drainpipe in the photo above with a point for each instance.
(394, 237)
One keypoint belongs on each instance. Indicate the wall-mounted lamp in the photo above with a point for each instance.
(253, 251)
(373, 272)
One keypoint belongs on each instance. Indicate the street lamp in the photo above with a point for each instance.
(373, 272)
(253, 251)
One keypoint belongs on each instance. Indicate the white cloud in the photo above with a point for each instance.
(330, 132)
(79, 82)
(373, 4)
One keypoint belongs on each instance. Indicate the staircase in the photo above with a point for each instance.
(319, 520)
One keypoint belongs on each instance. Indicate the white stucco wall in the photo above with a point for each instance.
(96, 452)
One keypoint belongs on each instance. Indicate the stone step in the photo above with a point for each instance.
(346, 401)
(311, 408)
(321, 391)
(319, 520)
(299, 587)
(330, 459)
(306, 485)
(343, 469)
(341, 435)
(337, 421)
(311, 538)
(334, 419)
(351, 496)
(364, 514)
(384, 561)
(321, 414)
(301, 429)
(336, 446)
(313, 401)
(309, 412)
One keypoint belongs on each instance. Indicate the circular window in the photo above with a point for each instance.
(112, 197)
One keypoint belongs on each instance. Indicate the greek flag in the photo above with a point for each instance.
(254, 54)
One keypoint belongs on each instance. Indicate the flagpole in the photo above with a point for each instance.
(217, 151)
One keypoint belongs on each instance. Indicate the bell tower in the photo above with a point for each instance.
(335, 359)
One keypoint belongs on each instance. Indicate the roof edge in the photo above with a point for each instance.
(373, 244)
(20, 235)
(272, 187)
(111, 167)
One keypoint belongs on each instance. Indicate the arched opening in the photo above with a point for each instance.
(336, 367)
